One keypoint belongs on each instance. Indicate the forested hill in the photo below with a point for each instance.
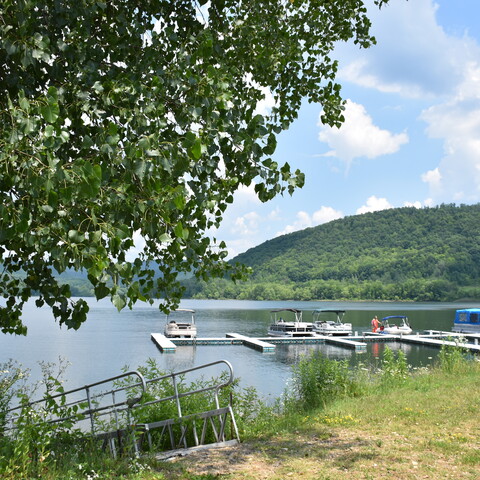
(403, 253)
(387, 245)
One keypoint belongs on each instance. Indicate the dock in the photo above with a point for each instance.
(357, 342)
(163, 343)
(439, 342)
(264, 344)
(255, 343)
(347, 343)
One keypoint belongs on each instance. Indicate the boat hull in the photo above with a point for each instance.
(466, 328)
(180, 330)
(287, 329)
(333, 329)
(397, 331)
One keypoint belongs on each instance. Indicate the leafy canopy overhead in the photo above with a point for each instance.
(122, 118)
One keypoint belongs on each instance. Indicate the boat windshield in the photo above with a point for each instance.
(286, 314)
(395, 318)
(186, 315)
(328, 315)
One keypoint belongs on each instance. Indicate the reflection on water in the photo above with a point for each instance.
(110, 340)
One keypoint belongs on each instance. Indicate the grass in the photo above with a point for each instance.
(402, 425)
(423, 427)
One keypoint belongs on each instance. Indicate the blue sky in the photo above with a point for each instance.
(412, 130)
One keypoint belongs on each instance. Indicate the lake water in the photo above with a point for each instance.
(110, 340)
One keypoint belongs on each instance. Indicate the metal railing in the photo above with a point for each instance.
(192, 429)
(82, 404)
(112, 415)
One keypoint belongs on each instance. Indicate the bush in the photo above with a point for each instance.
(452, 358)
(318, 380)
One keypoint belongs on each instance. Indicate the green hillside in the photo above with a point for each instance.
(425, 254)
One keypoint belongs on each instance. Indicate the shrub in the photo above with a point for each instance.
(318, 380)
(452, 358)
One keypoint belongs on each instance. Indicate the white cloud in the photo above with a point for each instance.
(305, 220)
(247, 224)
(325, 214)
(245, 195)
(359, 137)
(374, 204)
(264, 107)
(433, 178)
(414, 56)
(416, 204)
(275, 214)
(457, 123)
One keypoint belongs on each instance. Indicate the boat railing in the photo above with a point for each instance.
(113, 414)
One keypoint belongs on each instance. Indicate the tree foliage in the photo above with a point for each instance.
(121, 119)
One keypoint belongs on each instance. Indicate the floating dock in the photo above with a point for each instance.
(163, 343)
(347, 343)
(431, 338)
(255, 343)
(439, 342)
(264, 345)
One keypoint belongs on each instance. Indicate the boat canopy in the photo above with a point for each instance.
(294, 310)
(182, 313)
(468, 315)
(329, 311)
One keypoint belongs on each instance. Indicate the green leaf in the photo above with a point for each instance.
(75, 236)
(49, 131)
(119, 301)
(195, 150)
(165, 238)
(101, 291)
(50, 112)
(181, 232)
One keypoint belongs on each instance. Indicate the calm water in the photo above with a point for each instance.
(110, 340)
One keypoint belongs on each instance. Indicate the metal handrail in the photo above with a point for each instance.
(138, 401)
(129, 402)
(178, 395)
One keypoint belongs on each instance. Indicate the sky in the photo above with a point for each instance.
(411, 135)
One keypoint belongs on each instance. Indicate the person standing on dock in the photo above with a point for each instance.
(375, 324)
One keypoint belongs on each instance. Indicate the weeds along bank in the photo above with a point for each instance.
(324, 398)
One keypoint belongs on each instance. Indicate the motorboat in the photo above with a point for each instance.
(403, 327)
(181, 323)
(294, 326)
(324, 325)
(467, 320)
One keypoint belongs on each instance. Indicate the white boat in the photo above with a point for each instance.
(467, 320)
(289, 328)
(324, 325)
(403, 328)
(181, 323)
